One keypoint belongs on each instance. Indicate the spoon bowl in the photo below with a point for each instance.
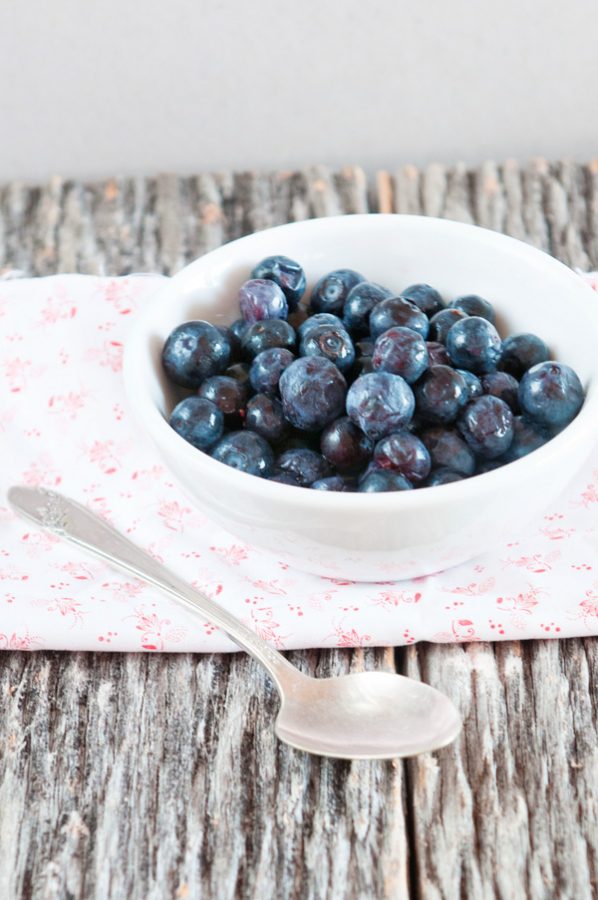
(367, 715)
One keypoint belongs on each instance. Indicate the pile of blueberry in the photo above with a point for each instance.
(358, 389)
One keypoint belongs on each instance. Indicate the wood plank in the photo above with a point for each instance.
(510, 810)
(151, 224)
(159, 776)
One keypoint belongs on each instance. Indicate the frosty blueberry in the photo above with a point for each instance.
(331, 291)
(440, 394)
(198, 421)
(397, 311)
(380, 403)
(522, 351)
(313, 392)
(404, 453)
(246, 451)
(194, 351)
(262, 299)
(425, 298)
(487, 426)
(401, 351)
(286, 273)
(474, 305)
(474, 344)
(551, 394)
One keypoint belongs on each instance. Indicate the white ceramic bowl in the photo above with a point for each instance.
(391, 535)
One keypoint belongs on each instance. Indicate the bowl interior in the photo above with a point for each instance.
(530, 290)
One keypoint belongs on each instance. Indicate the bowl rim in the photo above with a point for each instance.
(153, 422)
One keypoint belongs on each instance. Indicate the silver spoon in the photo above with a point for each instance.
(369, 715)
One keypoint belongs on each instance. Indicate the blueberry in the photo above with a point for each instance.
(231, 338)
(229, 395)
(285, 478)
(473, 305)
(527, 436)
(376, 481)
(503, 386)
(194, 351)
(262, 299)
(380, 403)
(448, 450)
(522, 351)
(319, 319)
(313, 392)
(359, 303)
(443, 476)
(333, 483)
(440, 394)
(345, 446)
(442, 322)
(331, 291)
(396, 311)
(474, 344)
(551, 394)
(238, 371)
(246, 451)
(267, 367)
(264, 335)
(487, 426)
(474, 385)
(238, 329)
(332, 343)
(286, 273)
(425, 298)
(199, 421)
(234, 334)
(404, 453)
(437, 354)
(306, 466)
(402, 352)
(265, 416)
(488, 465)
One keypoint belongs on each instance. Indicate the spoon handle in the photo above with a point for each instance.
(73, 522)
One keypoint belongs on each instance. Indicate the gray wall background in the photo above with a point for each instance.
(95, 88)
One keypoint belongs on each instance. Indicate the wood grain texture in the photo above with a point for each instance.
(156, 776)
(159, 776)
(125, 225)
(510, 810)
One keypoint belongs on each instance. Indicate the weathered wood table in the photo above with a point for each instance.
(139, 776)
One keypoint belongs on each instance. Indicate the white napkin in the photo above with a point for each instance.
(63, 424)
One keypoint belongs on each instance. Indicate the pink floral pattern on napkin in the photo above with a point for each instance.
(64, 424)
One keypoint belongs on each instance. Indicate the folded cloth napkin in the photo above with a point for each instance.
(64, 424)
